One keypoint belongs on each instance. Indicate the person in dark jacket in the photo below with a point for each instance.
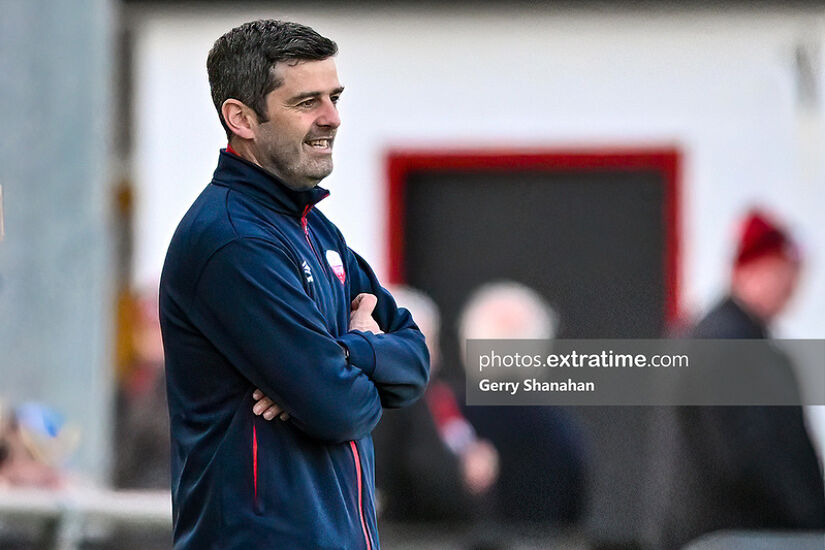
(543, 454)
(264, 306)
(741, 467)
(430, 465)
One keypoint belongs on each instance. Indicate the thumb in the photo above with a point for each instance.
(364, 303)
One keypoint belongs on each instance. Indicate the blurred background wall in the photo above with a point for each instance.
(56, 267)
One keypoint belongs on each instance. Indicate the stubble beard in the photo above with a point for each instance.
(297, 170)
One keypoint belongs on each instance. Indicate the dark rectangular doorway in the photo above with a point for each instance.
(595, 232)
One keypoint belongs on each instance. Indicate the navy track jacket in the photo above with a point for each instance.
(256, 292)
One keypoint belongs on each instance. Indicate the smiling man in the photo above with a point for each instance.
(267, 313)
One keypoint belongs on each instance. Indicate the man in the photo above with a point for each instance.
(741, 468)
(261, 296)
(430, 466)
(541, 449)
(142, 456)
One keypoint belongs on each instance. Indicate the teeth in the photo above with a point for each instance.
(321, 143)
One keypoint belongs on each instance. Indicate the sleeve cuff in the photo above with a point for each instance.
(361, 352)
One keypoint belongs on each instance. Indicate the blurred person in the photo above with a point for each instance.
(430, 465)
(142, 423)
(740, 467)
(542, 470)
(35, 442)
(267, 314)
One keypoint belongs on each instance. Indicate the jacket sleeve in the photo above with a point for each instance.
(250, 303)
(397, 361)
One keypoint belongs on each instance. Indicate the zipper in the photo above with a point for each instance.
(305, 225)
(354, 448)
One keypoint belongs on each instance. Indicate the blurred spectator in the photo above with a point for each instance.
(740, 467)
(35, 442)
(542, 468)
(142, 448)
(430, 466)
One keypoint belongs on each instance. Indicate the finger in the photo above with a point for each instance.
(367, 303)
(356, 303)
(272, 412)
(257, 394)
(262, 405)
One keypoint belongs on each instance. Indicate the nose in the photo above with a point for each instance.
(329, 117)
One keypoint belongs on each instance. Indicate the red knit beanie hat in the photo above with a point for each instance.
(759, 236)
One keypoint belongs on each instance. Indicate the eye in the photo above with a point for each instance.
(335, 99)
(308, 103)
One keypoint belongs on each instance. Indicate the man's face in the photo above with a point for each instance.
(767, 284)
(781, 279)
(295, 144)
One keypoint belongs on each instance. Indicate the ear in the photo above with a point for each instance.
(240, 118)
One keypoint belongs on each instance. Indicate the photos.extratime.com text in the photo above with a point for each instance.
(654, 372)
(574, 359)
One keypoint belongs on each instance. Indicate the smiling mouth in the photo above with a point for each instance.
(320, 144)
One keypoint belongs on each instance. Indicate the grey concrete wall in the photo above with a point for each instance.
(56, 292)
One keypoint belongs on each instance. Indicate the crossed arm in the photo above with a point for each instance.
(251, 304)
(360, 318)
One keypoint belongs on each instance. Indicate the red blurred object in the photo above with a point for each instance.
(761, 236)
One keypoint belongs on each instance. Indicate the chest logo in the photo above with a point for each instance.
(307, 271)
(337, 265)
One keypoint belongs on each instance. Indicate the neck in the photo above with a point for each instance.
(244, 150)
(752, 305)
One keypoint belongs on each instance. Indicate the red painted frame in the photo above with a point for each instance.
(399, 163)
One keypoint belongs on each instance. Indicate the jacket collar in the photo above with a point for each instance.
(250, 179)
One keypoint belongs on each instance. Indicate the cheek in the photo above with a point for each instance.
(791, 282)
(782, 286)
(278, 142)
(284, 131)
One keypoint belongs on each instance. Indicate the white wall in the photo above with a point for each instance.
(720, 85)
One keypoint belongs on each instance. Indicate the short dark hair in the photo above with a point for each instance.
(241, 63)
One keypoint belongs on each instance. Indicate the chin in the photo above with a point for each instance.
(319, 175)
(303, 185)
(309, 181)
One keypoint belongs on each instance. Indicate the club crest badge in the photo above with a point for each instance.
(337, 265)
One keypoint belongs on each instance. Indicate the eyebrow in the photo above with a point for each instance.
(307, 95)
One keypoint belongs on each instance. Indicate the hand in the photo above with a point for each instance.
(265, 407)
(360, 317)
(479, 464)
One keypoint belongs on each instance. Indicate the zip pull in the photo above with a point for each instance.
(305, 225)
(305, 221)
